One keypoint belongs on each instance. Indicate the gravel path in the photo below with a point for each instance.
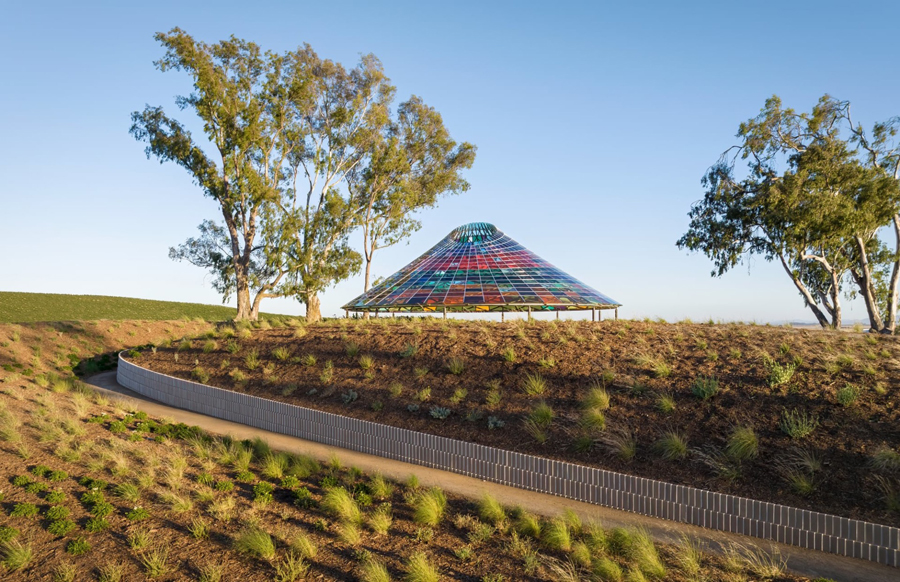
(806, 562)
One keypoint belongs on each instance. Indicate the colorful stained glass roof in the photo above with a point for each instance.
(478, 268)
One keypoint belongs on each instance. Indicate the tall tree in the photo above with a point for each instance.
(241, 101)
(808, 200)
(411, 164)
(343, 118)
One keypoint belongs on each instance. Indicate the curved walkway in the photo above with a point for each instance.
(807, 562)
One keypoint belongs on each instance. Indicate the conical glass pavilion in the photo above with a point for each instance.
(477, 268)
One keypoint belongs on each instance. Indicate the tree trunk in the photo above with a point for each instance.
(895, 276)
(835, 302)
(244, 311)
(810, 300)
(313, 307)
(863, 278)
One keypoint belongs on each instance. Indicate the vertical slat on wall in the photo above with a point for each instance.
(799, 527)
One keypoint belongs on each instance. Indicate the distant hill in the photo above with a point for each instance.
(27, 307)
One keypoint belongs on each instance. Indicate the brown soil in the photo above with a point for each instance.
(55, 431)
(637, 361)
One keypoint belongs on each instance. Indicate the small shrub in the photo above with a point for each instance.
(424, 394)
(429, 507)
(137, 514)
(251, 360)
(490, 510)
(96, 525)
(255, 542)
(419, 569)
(439, 412)
(493, 397)
(156, 562)
(373, 571)
(420, 372)
(459, 395)
(395, 389)
(57, 512)
(494, 423)
(224, 485)
(848, 395)
(339, 502)
(291, 568)
(542, 415)
(281, 353)
(262, 493)
(456, 366)
(78, 547)
(61, 527)
(534, 385)
(798, 424)
(199, 374)
(665, 404)
(705, 388)
(24, 510)
(597, 398)
(57, 476)
(672, 446)
(409, 350)
(53, 497)
(210, 346)
(779, 374)
(743, 444)
(15, 555)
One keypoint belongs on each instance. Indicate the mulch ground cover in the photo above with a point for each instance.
(698, 382)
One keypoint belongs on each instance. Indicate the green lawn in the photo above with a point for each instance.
(25, 307)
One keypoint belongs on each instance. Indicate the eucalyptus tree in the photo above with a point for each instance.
(244, 100)
(807, 199)
(343, 119)
(409, 166)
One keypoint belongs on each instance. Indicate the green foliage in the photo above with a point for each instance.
(534, 385)
(672, 446)
(798, 424)
(848, 395)
(779, 374)
(490, 510)
(456, 366)
(137, 514)
(155, 562)
(419, 569)
(78, 547)
(509, 354)
(15, 555)
(7, 533)
(61, 527)
(291, 568)
(743, 444)
(57, 512)
(340, 503)
(557, 536)
(24, 510)
(705, 388)
(429, 507)
(255, 542)
(373, 571)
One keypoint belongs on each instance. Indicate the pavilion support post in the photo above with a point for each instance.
(593, 315)
(599, 315)
(445, 313)
(346, 314)
(502, 316)
(529, 314)
(376, 314)
(617, 314)
(557, 315)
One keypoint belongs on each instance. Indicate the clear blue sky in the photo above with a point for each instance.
(594, 123)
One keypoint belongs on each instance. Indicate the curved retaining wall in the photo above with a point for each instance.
(719, 511)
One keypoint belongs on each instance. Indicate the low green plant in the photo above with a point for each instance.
(459, 395)
(509, 355)
(557, 536)
(490, 510)
(255, 542)
(705, 388)
(848, 395)
(456, 366)
(281, 353)
(366, 362)
(798, 424)
(199, 528)
(199, 374)
(672, 446)
(15, 555)
(66, 572)
(139, 539)
(665, 403)
(78, 546)
(291, 568)
(372, 570)
(534, 385)
(886, 460)
(778, 374)
(137, 514)
(429, 507)
(155, 562)
(352, 349)
(620, 442)
(7, 533)
(743, 444)
(24, 510)
(340, 503)
(61, 527)
(419, 569)
(251, 360)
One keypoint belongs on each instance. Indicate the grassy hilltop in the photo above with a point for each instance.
(27, 307)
